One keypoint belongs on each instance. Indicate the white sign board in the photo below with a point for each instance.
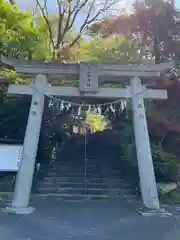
(10, 156)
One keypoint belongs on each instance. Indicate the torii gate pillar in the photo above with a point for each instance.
(143, 149)
(25, 174)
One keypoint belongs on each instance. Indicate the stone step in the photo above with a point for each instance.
(92, 191)
(55, 184)
(72, 197)
(67, 167)
(75, 170)
(79, 197)
(71, 184)
(6, 200)
(82, 179)
(80, 158)
(75, 167)
(65, 178)
(70, 174)
(80, 173)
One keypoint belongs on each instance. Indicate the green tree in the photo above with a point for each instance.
(45, 49)
(18, 32)
(114, 49)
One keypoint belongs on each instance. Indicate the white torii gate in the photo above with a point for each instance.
(89, 75)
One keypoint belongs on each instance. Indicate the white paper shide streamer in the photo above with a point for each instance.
(78, 110)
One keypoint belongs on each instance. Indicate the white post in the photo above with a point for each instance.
(25, 174)
(143, 149)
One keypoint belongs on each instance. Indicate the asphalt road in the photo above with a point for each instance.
(55, 220)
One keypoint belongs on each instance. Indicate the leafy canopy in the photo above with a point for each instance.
(18, 32)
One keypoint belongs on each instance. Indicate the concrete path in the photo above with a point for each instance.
(54, 220)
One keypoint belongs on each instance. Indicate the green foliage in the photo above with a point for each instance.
(11, 76)
(13, 116)
(166, 165)
(44, 48)
(18, 32)
(7, 181)
(117, 50)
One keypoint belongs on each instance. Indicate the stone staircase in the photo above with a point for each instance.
(72, 177)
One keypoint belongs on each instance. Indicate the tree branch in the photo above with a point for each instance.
(68, 13)
(44, 13)
(62, 13)
(89, 20)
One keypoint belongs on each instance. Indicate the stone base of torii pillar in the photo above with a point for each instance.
(145, 212)
(19, 211)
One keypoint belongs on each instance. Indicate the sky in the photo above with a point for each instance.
(52, 7)
(124, 4)
(177, 3)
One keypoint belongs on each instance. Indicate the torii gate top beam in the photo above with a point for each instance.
(102, 70)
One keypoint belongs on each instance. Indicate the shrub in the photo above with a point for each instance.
(166, 165)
